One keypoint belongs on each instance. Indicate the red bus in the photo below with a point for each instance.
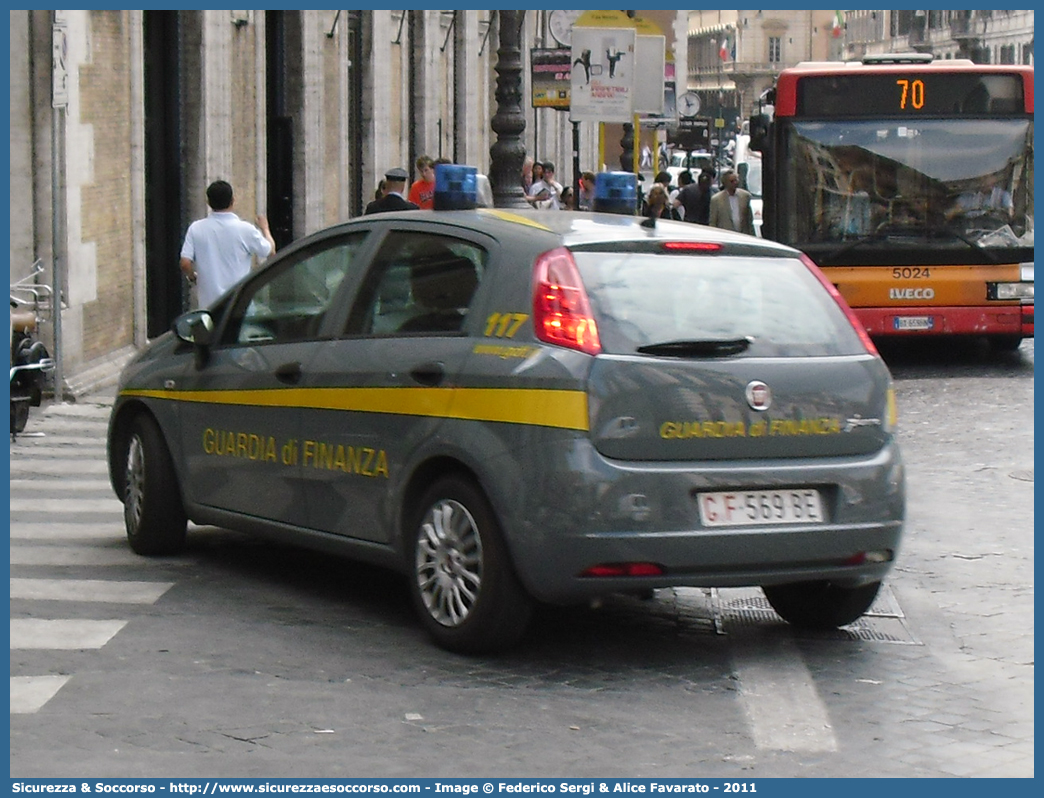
(909, 181)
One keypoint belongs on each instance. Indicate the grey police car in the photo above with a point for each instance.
(514, 407)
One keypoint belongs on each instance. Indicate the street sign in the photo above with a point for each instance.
(693, 134)
(549, 75)
(669, 118)
(650, 57)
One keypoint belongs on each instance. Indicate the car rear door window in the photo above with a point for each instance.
(419, 283)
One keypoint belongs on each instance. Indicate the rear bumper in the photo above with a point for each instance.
(638, 513)
(1002, 320)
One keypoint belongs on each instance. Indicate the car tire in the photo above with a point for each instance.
(1005, 343)
(152, 511)
(820, 605)
(19, 415)
(461, 579)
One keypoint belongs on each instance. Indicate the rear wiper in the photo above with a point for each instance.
(708, 346)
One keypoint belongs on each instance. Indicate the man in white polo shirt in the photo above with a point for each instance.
(218, 250)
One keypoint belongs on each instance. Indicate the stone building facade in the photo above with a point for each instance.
(302, 111)
(985, 37)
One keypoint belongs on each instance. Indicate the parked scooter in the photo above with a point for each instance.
(30, 360)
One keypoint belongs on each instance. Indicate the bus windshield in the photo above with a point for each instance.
(907, 180)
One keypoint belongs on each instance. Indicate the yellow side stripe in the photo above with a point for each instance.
(507, 216)
(539, 407)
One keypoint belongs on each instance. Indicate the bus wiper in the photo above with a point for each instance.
(877, 235)
(718, 347)
(885, 231)
(969, 241)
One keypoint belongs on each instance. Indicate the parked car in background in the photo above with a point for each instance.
(694, 161)
(749, 171)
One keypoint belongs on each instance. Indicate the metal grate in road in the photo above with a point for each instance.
(737, 608)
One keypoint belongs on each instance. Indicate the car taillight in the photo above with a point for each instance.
(691, 246)
(864, 336)
(561, 311)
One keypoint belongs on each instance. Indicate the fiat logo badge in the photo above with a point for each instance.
(759, 397)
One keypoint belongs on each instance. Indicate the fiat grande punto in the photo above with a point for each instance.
(521, 407)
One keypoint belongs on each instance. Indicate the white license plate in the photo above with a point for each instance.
(761, 507)
(914, 322)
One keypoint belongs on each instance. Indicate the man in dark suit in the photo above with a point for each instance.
(695, 198)
(394, 199)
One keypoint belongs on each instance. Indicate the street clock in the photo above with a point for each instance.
(689, 104)
(560, 23)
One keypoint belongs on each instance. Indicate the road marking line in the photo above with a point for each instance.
(58, 467)
(76, 505)
(25, 530)
(61, 635)
(82, 452)
(29, 445)
(114, 592)
(29, 693)
(779, 696)
(38, 486)
(78, 410)
(74, 555)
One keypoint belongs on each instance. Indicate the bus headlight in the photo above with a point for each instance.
(1010, 291)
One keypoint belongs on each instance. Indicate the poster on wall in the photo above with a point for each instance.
(602, 75)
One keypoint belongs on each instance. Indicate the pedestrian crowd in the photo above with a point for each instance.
(695, 198)
(220, 249)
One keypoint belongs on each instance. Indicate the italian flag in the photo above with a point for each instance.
(839, 22)
(723, 53)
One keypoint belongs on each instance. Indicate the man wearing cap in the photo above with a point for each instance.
(394, 199)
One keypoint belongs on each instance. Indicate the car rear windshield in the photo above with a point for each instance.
(774, 306)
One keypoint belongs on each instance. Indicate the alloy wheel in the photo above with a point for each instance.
(448, 562)
(134, 479)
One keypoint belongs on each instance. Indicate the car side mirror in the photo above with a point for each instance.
(195, 328)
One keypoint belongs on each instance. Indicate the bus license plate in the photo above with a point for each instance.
(914, 322)
(760, 507)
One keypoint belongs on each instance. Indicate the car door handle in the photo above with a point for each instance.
(290, 373)
(428, 374)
